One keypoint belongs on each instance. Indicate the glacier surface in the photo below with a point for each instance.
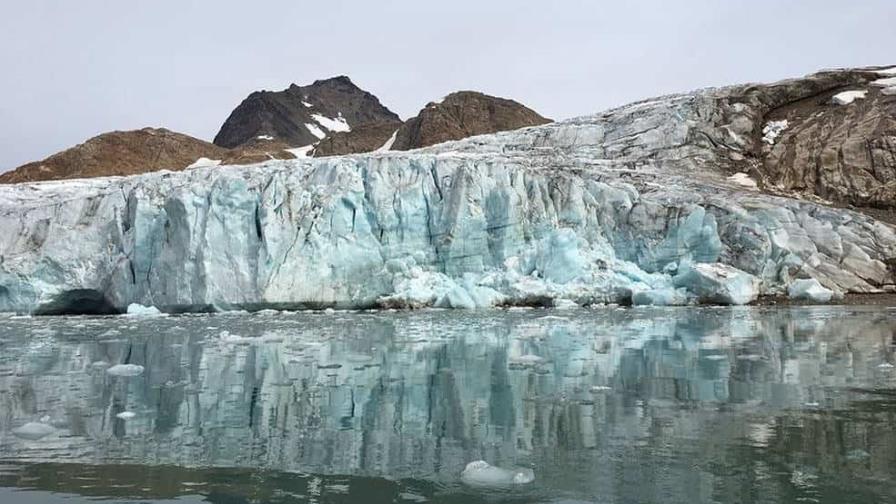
(629, 205)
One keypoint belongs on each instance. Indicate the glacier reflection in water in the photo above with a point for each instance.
(610, 405)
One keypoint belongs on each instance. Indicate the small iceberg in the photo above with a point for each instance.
(33, 431)
(810, 289)
(139, 310)
(481, 473)
(125, 370)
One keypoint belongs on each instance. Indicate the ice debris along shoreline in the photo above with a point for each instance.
(628, 206)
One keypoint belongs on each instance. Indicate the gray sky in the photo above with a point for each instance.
(73, 69)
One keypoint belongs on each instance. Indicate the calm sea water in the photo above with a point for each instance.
(690, 405)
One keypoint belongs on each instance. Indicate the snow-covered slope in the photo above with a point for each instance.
(634, 204)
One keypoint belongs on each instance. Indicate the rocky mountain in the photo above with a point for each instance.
(141, 151)
(302, 115)
(457, 116)
(119, 153)
(461, 115)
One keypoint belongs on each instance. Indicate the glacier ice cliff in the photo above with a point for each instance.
(635, 204)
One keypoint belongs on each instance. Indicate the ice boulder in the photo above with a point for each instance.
(809, 289)
(660, 297)
(139, 310)
(717, 283)
(33, 431)
(481, 473)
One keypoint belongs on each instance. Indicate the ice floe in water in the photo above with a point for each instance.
(33, 431)
(481, 473)
(809, 289)
(125, 370)
(126, 415)
(139, 310)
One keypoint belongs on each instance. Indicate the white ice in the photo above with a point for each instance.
(315, 130)
(204, 162)
(847, 97)
(481, 473)
(125, 370)
(773, 130)
(388, 145)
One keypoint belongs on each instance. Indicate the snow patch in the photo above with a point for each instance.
(388, 145)
(338, 124)
(885, 83)
(315, 130)
(264, 137)
(301, 152)
(773, 130)
(886, 71)
(743, 180)
(307, 104)
(204, 162)
(847, 97)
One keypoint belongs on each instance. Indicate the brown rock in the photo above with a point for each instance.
(119, 153)
(461, 115)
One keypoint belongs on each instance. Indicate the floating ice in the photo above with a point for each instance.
(139, 310)
(809, 289)
(717, 283)
(125, 370)
(660, 297)
(126, 415)
(33, 431)
(481, 473)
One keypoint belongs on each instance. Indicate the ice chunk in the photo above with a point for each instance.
(125, 370)
(809, 289)
(481, 473)
(126, 415)
(139, 310)
(717, 283)
(660, 297)
(558, 258)
(773, 130)
(33, 431)
(847, 97)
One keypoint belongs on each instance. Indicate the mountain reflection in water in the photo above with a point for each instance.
(611, 405)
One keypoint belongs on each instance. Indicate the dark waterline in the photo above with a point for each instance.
(753, 405)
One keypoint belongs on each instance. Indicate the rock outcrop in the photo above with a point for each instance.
(829, 136)
(463, 114)
(119, 153)
(598, 209)
(302, 115)
(365, 138)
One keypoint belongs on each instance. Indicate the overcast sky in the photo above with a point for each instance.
(73, 69)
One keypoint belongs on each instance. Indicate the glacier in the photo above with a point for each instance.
(632, 205)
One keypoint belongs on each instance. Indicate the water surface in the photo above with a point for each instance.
(685, 405)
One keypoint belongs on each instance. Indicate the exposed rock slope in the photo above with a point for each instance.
(119, 153)
(831, 135)
(461, 115)
(365, 138)
(631, 205)
(302, 115)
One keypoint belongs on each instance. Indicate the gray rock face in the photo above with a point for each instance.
(590, 210)
(302, 115)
